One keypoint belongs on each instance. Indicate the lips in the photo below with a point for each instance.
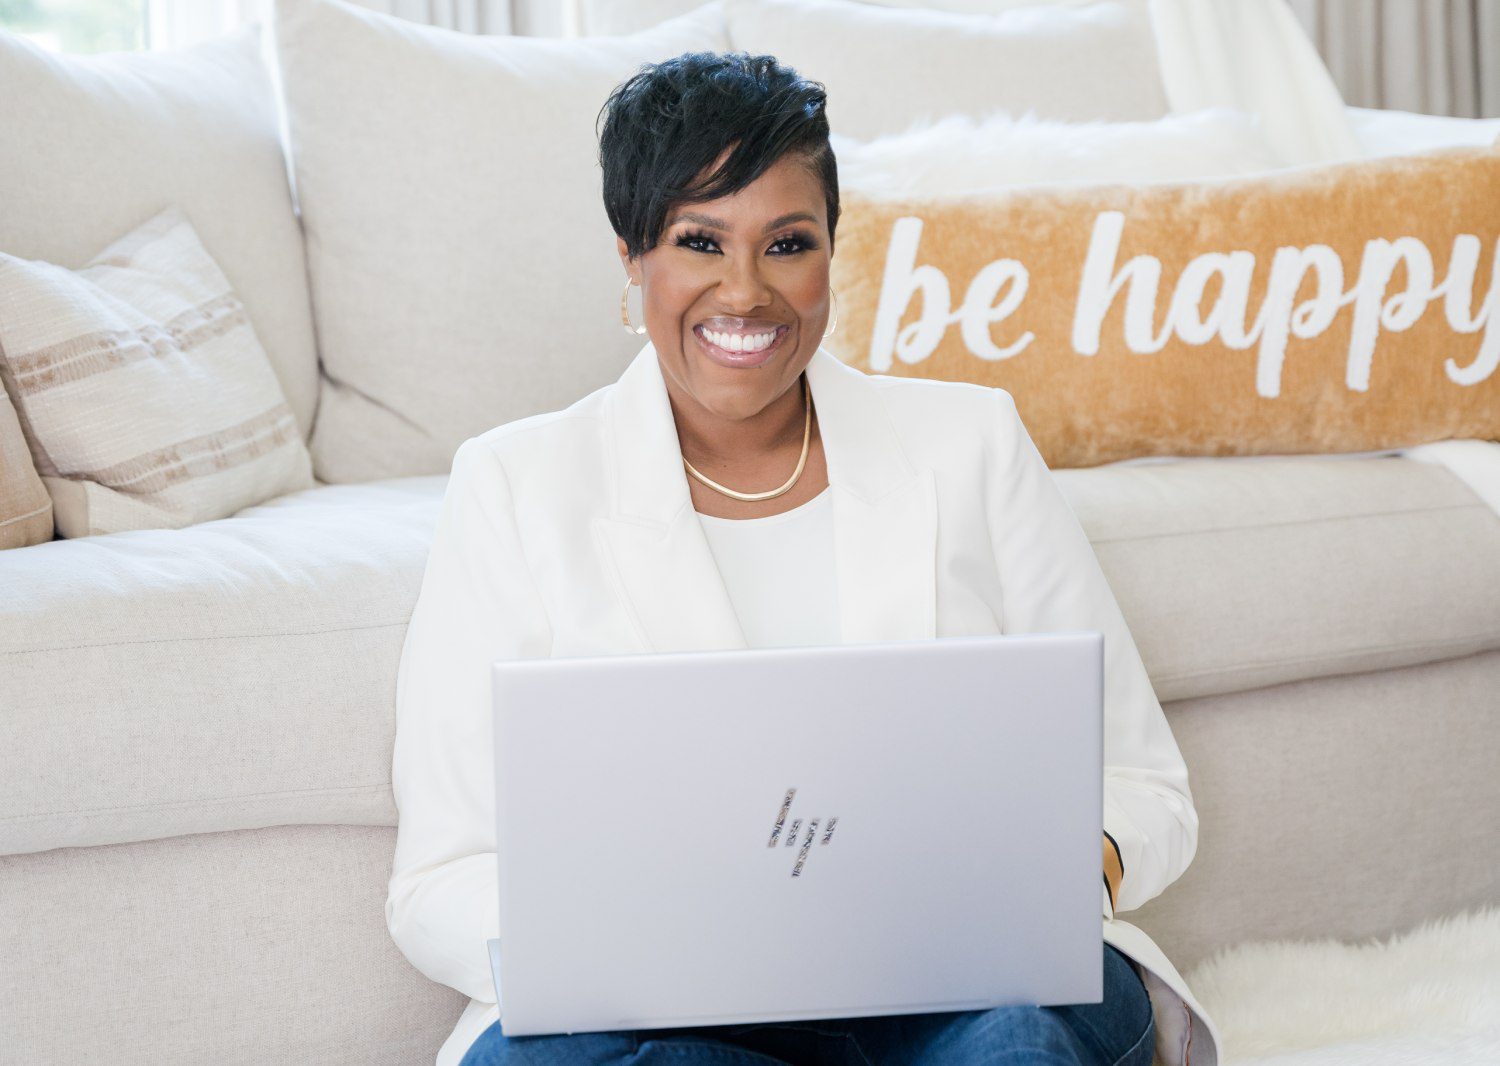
(728, 357)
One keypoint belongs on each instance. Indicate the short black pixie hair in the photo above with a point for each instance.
(671, 120)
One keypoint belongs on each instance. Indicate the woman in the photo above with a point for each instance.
(739, 485)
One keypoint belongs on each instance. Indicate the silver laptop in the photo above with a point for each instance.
(769, 834)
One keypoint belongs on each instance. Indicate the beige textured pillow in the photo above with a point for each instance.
(146, 399)
(1343, 308)
(25, 507)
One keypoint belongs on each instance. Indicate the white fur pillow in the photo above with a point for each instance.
(960, 154)
(1382, 132)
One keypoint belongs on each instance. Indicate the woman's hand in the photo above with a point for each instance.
(1113, 871)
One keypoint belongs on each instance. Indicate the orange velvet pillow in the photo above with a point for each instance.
(1350, 307)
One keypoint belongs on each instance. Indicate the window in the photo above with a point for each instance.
(79, 25)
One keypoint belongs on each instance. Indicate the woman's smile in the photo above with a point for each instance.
(740, 347)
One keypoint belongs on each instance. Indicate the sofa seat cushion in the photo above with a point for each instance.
(1241, 572)
(241, 673)
(234, 674)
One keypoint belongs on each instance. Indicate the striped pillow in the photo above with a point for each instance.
(25, 507)
(145, 397)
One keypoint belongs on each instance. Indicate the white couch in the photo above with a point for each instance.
(196, 821)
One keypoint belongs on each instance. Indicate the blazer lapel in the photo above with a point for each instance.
(662, 565)
(884, 517)
(884, 511)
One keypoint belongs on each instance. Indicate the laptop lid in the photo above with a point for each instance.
(707, 838)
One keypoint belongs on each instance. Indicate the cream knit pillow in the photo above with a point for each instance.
(144, 395)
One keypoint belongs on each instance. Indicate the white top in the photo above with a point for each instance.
(779, 571)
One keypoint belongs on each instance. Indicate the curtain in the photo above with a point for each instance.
(531, 18)
(178, 23)
(1438, 57)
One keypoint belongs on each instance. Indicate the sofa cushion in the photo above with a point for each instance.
(241, 673)
(464, 268)
(1240, 572)
(1075, 61)
(233, 674)
(109, 140)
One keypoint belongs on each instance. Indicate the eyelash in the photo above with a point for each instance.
(685, 241)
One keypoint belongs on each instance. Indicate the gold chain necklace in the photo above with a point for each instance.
(806, 438)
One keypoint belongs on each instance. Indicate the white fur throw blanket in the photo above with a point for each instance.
(1431, 995)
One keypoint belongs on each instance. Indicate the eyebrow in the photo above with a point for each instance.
(719, 223)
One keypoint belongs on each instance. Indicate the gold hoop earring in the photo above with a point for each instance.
(625, 309)
(833, 324)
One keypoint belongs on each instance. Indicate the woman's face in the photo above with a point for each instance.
(730, 275)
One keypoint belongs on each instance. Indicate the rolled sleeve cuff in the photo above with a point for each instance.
(1125, 838)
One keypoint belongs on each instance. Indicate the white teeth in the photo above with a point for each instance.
(739, 342)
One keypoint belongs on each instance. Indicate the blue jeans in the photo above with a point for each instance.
(1119, 1031)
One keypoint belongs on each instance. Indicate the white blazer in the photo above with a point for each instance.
(573, 533)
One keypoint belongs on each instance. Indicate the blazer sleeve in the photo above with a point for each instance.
(1051, 581)
(477, 603)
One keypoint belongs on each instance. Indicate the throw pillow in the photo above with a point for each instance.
(1348, 307)
(146, 398)
(959, 154)
(25, 507)
(886, 68)
(463, 269)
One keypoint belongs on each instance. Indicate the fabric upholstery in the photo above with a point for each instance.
(237, 673)
(1246, 572)
(1078, 61)
(1345, 807)
(240, 948)
(147, 399)
(108, 140)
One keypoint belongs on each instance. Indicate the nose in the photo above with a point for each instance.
(741, 288)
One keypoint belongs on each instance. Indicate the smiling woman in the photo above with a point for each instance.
(740, 486)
